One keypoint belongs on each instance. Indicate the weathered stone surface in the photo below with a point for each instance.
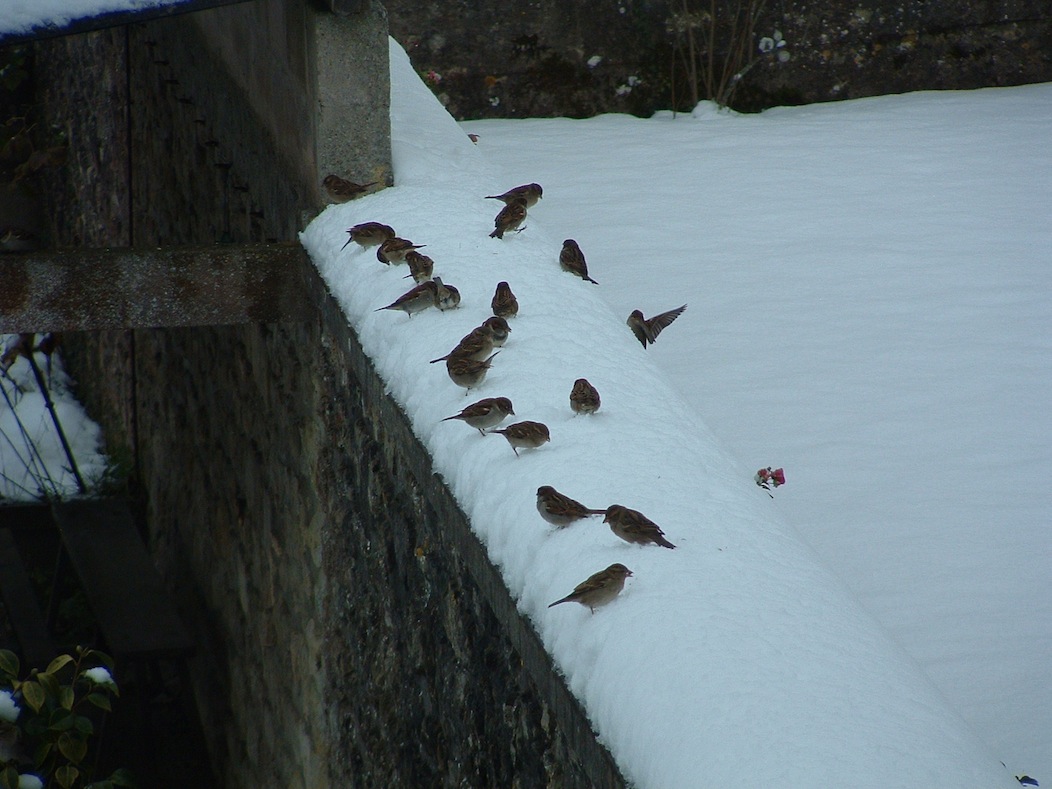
(488, 59)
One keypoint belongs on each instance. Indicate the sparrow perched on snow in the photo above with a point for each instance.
(421, 267)
(531, 193)
(648, 329)
(584, 398)
(571, 258)
(467, 372)
(598, 589)
(446, 296)
(525, 435)
(504, 303)
(416, 300)
(369, 234)
(393, 250)
(509, 218)
(477, 343)
(341, 190)
(635, 527)
(486, 413)
(560, 510)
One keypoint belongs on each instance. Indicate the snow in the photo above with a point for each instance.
(743, 654)
(17, 16)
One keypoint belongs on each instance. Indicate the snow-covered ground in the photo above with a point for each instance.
(817, 284)
(17, 16)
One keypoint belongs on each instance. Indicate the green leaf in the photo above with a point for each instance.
(49, 683)
(58, 663)
(66, 697)
(9, 663)
(34, 695)
(60, 721)
(41, 754)
(73, 748)
(100, 700)
(123, 777)
(66, 775)
(84, 725)
(9, 778)
(93, 655)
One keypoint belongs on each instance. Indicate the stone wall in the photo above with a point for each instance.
(486, 59)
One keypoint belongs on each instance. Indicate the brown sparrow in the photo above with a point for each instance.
(598, 589)
(475, 345)
(488, 412)
(446, 296)
(648, 329)
(504, 303)
(412, 301)
(467, 372)
(560, 510)
(509, 218)
(571, 258)
(635, 527)
(584, 398)
(341, 190)
(531, 193)
(525, 435)
(369, 234)
(421, 267)
(393, 250)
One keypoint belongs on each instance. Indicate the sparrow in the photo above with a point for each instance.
(531, 193)
(467, 372)
(509, 218)
(648, 329)
(488, 412)
(525, 435)
(571, 258)
(584, 398)
(479, 341)
(421, 267)
(369, 234)
(393, 250)
(341, 190)
(504, 303)
(634, 527)
(446, 296)
(560, 510)
(415, 300)
(598, 589)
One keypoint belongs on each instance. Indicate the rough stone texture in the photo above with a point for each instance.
(495, 60)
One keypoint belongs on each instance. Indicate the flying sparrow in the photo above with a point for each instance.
(648, 329)
(504, 303)
(467, 372)
(421, 267)
(415, 300)
(525, 435)
(584, 398)
(369, 234)
(341, 190)
(598, 589)
(446, 296)
(635, 527)
(531, 193)
(393, 250)
(571, 258)
(488, 412)
(560, 510)
(509, 218)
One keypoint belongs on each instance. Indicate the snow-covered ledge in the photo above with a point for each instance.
(736, 658)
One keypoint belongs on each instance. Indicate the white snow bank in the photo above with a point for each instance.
(736, 658)
(17, 16)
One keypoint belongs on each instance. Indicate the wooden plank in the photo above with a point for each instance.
(124, 589)
(95, 289)
(23, 609)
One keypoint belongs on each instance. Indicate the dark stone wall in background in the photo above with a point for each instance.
(489, 59)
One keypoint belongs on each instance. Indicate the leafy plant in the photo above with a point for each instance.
(46, 721)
